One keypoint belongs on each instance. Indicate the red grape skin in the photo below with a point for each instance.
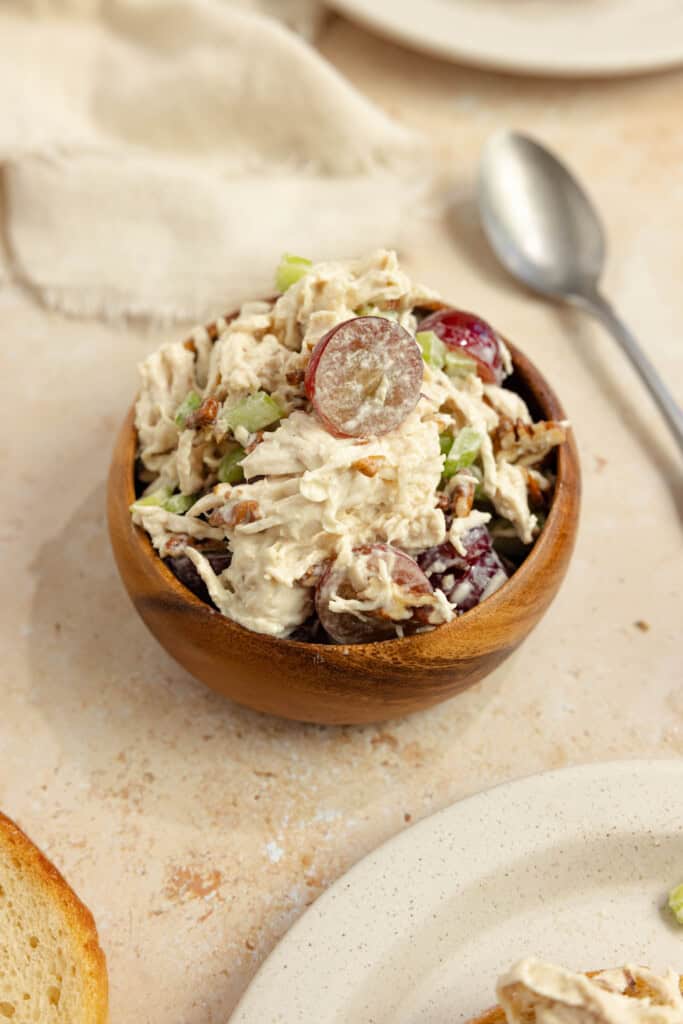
(346, 628)
(349, 366)
(458, 329)
(463, 578)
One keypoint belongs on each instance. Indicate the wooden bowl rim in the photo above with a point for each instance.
(564, 508)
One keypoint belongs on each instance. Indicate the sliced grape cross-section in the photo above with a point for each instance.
(380, 561)
(465, 579)
(468, 333)
(364, 377)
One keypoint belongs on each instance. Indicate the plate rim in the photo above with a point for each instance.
(435, 46)
(242, 1012)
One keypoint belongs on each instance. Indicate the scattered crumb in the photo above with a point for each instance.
(600, 463)
(407, 817)
(642, 625)
(250, 944)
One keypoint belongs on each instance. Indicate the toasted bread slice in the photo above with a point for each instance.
(51, 964)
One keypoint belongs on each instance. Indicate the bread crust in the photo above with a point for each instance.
(77, 917)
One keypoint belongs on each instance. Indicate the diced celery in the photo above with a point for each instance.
(155, 498)
(464, 451)
(445, 442)
(230, 470)
(190, 402)
(290, 270)
(676, 902)
(458, 364)
(434, 351)
(253, 412)
(180, 503)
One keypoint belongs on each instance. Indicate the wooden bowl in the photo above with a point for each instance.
(363, 682)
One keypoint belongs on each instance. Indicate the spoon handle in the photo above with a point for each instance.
(668, 406)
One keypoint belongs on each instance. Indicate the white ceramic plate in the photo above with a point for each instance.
(573, 866)
(549, 37)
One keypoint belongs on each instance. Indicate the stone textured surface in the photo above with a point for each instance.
(198, 831)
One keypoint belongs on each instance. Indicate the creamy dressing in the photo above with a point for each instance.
(546, 994)
(309, 497)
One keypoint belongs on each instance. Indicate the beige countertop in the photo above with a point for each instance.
(198, 831)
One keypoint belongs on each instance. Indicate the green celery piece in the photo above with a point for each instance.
(180, 503)
(290, 270)
(445, 442)
(190, 402)
(434, 351)
(230, 470)
(159, 497)
(464, 451)
(253, 412)
(676, 902)
(458, 364)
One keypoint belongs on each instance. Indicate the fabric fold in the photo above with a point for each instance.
(158, 156)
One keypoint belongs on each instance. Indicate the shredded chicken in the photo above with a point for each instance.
(308, 496)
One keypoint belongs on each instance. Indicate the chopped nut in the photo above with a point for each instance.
(176, 544)
(526, 443)
(536, 499)
(312, 576)
(258, 437)
(370, 465)
(204, 416)
(462, 496)
(295, 377)
(244, 512)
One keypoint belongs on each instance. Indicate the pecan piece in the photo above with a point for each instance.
(462, 497)
(536, 497)
(204, 416)
(244, 512)
(526, 443)
(312, 576)
(176, 544)
(370, 465)
(258, 437)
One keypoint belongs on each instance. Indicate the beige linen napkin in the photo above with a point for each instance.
(159, 155)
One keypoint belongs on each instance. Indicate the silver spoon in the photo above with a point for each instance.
(547, 233)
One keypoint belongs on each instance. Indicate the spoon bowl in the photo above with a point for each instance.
(545, 230)
(540, 222)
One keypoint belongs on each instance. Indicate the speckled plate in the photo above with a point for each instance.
(573, 866)
(542, 37)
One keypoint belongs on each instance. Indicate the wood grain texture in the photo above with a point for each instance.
(347, 684)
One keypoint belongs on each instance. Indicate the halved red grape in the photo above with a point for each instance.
(465, 579)
(347, 628)
(185, 570)
(458, 329)
(364, 377)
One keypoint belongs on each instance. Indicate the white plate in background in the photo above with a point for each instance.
(573, 866)
(542, 37)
